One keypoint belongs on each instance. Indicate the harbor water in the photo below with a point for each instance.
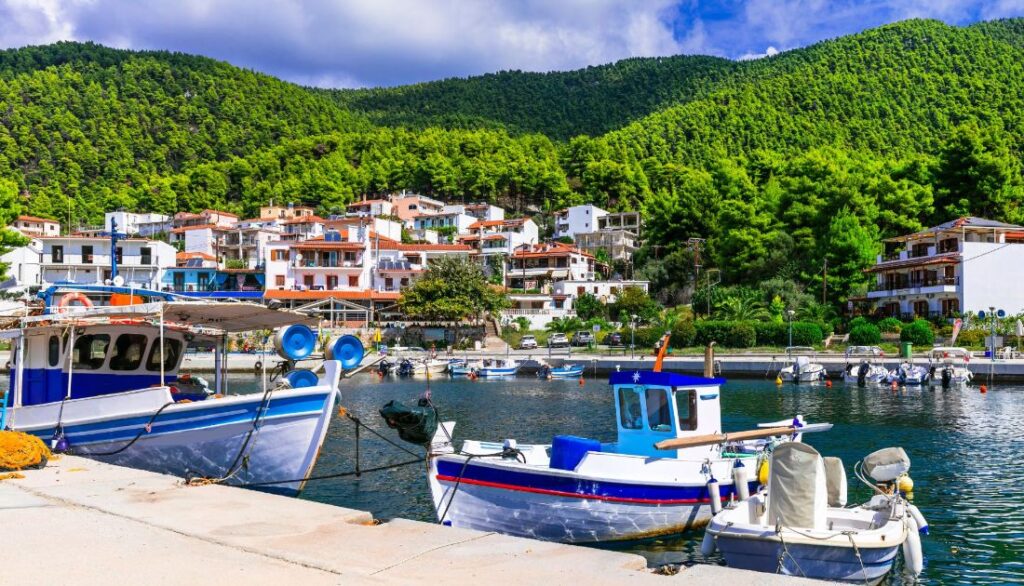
(965, 448)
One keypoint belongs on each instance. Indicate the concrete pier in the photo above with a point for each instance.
(79, 521)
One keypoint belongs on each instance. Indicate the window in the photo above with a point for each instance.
(90, 351)
(203, 279)
(307, 280)
(686, 406)
(54, 350)
(332, 281)
(146, 255)
(119, 255)
(172, 351)
(659, 416)
(57, 254)
(353, 280)
(279, 280)
(128, 352)
(389, 283)
(87, 254)
(630, 415)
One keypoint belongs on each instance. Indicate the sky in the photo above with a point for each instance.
(367, 43)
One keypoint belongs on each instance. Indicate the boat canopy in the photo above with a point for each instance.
(225, 317)
(949, 352)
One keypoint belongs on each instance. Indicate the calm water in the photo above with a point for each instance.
(965, 448)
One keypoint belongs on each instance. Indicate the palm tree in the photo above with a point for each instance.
(741, 308)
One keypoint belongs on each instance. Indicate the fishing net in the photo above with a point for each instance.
(19, 451)
(415, 425)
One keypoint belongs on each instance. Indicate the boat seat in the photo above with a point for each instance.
(835, 479)
(797, 489)
(568, 450)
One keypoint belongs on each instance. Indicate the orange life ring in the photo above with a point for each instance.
(68, 298)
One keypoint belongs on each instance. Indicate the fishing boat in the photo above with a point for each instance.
(104, 382)
(908, 373)
(802, 367)
(799, 524)
(560, 372)
(949, 366)
(408, 361)
(658, 478)
(495, 367)
(464, 368)
(866, 370)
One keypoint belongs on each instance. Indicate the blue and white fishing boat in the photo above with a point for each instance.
(560, 372)
(799, 524)
(101, 383)
(578, 490)
(493, 367)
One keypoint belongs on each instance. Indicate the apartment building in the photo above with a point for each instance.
(32, 226)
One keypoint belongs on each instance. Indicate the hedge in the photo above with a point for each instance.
(731, 334)
(890, 325)
(918, 333)
(776, 334)
(865, 335)
(683, 334)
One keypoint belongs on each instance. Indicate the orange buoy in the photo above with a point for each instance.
(828, 384)
(581, 381)
(895, 386)
(983, 389)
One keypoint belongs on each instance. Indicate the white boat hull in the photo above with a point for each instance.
(807, 375)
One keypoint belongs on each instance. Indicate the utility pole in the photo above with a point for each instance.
(824, 283)
(694, 244)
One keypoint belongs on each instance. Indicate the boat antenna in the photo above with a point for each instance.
(661, 351)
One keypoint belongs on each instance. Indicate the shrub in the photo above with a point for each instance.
(771, 333)
(645, 337)
(919, 333)
(973, 338)
(683, 333)
(806, 334)
(890, 325)
(857, 321)
(730, 334)
(742, 335)
(865, 335)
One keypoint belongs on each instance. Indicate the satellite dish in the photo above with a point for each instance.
(118, 281)
(1000, 313)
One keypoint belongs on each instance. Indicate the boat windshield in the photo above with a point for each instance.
(630, 414)
(90, 351)
(659, 417)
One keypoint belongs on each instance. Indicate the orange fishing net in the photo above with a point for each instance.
(20, 450)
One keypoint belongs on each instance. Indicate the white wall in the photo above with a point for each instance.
(200, 240)
(992, 276)
(579, 219)
(23, 263)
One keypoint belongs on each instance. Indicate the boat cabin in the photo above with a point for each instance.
(655, 406)
(91, 360)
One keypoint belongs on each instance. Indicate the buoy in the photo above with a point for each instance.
(912, 556)
(778, 380)
(295, 342)
(581, 381)
(762, 472)
(906, 484)
(983, 389)
(348, 350)
(895, 387)
(707, 547)
(739, 479)
(715, 494)
(922, 524)
(302, 378)
(828, 384)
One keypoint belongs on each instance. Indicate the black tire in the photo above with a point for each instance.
(258, 366)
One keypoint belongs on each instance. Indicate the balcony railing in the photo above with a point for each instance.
(915, 283)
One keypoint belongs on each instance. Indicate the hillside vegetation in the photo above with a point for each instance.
(783, 164)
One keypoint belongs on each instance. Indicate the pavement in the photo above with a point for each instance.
(80, 521)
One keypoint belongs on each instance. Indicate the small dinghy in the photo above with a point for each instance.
(908, 373)
(867, 371)
(949, 366)
(564, 371)
(800, 525)
(802, 368)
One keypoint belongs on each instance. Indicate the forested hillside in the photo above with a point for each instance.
(782, 164)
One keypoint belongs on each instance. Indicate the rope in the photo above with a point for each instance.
(856, 550)
(145, 429)
(785, 554)
(355, 473)
(465, 464)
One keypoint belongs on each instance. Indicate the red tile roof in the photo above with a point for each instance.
(35, 219)
(199, 227)
(188, 255)
(304, 220)
(549, 249)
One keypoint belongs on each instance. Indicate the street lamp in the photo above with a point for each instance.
(790, 313)
(632, 336)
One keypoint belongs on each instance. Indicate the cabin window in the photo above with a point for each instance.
(172, 350)
(87, 255)
(128, 352)
(630, 415)
(90, 351)
(57, 254)
(686, 406)
(54, 350)
(659, 416)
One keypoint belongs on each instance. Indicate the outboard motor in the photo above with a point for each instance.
(947, 376)
(903, 373)
(544, 371)
(862, 373)
(405, 367)
(384, 367)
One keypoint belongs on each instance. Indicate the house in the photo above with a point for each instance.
(451, 223)
(245, 247)
(606, 292)
(198, 275)
(492, 237)
(335, 262)
(203, 238)
(617, 234)
(537, 266)
(964, 265)
(398, 265)
(24, 265)
(32, 226)
(134, 224)
(302, 227)
(483, 212)
(288, 212)
(87, 260)
(371, 207)
(382, 227)
(406, 207)
(206, 217)
(577, 219)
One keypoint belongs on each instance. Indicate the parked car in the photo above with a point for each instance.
(613, 339)
(864, 351)
(558, 340)
(583, 338)
(528, 343)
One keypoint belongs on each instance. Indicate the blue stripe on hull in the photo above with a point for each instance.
(587, 488)
(48, 385)
(817, 562)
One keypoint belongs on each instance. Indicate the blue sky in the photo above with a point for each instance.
(359, 43)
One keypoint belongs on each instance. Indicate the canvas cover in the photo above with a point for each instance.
(835, 480)
(797, 491)
(887, 464)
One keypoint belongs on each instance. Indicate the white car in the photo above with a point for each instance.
(528, 343)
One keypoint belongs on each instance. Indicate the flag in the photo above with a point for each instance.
(956, 331)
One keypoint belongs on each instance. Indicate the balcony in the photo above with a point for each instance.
(914, 286)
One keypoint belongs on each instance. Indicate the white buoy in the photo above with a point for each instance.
(739, 479)
(922, 524)
(913, 558)
(716, 496)
(707, 547)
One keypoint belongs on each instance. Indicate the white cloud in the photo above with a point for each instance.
(364, 42)
(767, 53)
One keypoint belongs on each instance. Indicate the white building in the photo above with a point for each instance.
(371, 207)
(538, 266)
(447, 221)
(24, 264)
(483, 212)
(961, 266)
(134, 224)
(493, 237)
(577, 219)
(32, 226)
(606, 292)
(87, 260)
